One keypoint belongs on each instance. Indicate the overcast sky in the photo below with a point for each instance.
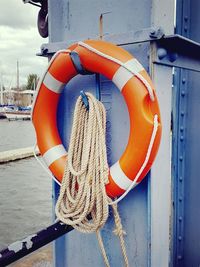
(19, 40)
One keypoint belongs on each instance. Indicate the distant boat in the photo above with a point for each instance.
(17, 113)
(2, 114)
(14, 111)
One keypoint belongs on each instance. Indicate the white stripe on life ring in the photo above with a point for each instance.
(119, 177)
(54, 153)
(52, 83)
(123, 75)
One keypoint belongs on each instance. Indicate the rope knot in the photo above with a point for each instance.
(119, 231)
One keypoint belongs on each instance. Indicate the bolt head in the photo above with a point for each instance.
(162, 53)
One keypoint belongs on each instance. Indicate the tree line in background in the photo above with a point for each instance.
(32, 81)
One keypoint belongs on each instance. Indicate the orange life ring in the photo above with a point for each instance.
(138, 91)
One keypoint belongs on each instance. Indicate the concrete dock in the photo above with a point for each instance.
(16, 154)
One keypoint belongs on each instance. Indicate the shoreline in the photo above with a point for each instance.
(17, 154)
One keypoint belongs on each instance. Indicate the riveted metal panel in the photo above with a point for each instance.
(186, 147)
(192, 181)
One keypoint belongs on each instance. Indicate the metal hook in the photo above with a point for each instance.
(98, 89)
(84, 99)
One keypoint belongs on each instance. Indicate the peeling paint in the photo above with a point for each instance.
(16, 246)
(28, 242)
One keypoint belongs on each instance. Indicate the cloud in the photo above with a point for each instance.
(19, 41)
(15, 14)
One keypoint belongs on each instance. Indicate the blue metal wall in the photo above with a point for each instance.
(134, 208)
(187, 147)
(76, 20)
(79, 19)
(146, 210)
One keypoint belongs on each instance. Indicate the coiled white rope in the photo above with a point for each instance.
(83, 202)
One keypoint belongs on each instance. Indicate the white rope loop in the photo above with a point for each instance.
(65, 51)
(135, 180)
(138, 75)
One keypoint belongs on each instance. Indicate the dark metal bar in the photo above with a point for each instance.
(172, 50)
(178, 51)
(19, 249)
(98, 89)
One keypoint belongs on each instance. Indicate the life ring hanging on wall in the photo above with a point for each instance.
(138, 91)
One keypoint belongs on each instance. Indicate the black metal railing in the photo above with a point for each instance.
(19, 249)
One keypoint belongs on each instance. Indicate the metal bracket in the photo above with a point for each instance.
(178, 51)
(141, 36)
(84, 99)
(173, 50)
(32, 242)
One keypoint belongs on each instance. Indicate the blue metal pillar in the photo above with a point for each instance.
(186, 146)
(141, 213)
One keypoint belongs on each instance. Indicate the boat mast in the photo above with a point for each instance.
(17, 75)
(1, 91)
(34, 84)
(18, 100)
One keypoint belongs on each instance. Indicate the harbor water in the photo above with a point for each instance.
(16, 134)
(25, 190)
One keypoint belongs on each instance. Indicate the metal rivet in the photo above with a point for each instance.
(186, 18)
(179, 238)
(183, 93)
(173, 56)
(181, 128)
(182, 138)
(182, 113)
(179, 257)
(180, 218)
(185, 28)
(183, 80)
(180, 199)
(180, 178)
(162, 53)
(181, 158)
